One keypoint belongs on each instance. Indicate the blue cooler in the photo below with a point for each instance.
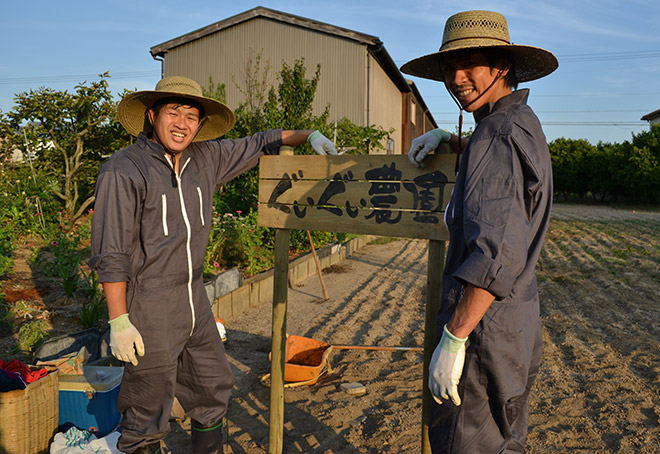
(89, 401)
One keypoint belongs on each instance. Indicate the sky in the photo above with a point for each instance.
(608, 50)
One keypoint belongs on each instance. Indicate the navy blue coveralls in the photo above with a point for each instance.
(497, 219)
(150, 229)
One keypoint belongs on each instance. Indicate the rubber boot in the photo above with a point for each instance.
(206, 440)
(153, 448)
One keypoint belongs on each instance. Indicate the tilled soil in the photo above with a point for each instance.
(599, 386)
(598, 390)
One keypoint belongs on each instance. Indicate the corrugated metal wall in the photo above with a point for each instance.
(224, 56)
(385, 101)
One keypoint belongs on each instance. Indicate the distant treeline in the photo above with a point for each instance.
(626, 172)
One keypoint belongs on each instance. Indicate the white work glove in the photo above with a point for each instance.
(125, 340)
(321, 144)
(446, 367)
(426, 143)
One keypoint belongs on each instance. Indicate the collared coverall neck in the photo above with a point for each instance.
(497, 219)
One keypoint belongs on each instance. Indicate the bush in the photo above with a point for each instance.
(31, 334)
(66, 254)
(94, 308)
(627, 172)
(237, 241)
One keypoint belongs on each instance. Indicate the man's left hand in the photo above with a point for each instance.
(321, 144)
(446, 368)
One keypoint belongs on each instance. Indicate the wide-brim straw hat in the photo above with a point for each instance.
(480, 30)
(131, 111)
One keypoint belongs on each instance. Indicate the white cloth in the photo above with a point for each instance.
(76, 441)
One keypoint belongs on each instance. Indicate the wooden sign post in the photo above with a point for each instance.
(364, 194)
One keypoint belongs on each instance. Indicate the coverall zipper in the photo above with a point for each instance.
(186, 221)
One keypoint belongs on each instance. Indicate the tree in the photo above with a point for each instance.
(215, 91)
(604, 166)
(289, 105)
(569, 165)
(70, 133)
(354, 139)
(254, 86)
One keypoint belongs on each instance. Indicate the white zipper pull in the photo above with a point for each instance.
(201, 205)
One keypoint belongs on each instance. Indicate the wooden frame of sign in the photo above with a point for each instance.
(364, 194)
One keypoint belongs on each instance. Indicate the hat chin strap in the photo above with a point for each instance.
(498, 76)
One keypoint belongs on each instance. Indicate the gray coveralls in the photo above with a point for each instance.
(150, 229)
(497, 219)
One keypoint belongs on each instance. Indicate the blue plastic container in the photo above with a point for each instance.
(89, 401)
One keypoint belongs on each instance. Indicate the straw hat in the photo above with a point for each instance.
(479, 30)
(131, 111)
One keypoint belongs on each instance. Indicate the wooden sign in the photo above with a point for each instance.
(365, 194)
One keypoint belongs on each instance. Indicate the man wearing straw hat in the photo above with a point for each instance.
(488, 325)
(150, 230)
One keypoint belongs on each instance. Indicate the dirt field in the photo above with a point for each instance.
(598, 389)
(599, 386)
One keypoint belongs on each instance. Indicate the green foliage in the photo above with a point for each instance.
(94, 309)
(31, 333)
(299, 240)
(6, 264)
(7, 236)
(628, 172)
(569, 162)
(237, 240)
(290, 106)
(354, 139)
(215, 91)
(254, 85)
(27, 200)
(67, 134)
(62, 263)
(286, 106)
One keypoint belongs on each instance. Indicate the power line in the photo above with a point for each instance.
(603, 56)
(566, 123)
(74, 77)
(608, 56)
(596, 123)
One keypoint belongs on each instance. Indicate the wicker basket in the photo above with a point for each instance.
(30, 416)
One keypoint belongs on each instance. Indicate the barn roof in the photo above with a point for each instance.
(373, 43)
(651, 116)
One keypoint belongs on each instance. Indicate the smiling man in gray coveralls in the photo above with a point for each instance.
(152, 217)
(488, 325)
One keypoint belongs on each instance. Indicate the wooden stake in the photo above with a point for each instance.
(280, 296)
(436, 263)
(318, 267)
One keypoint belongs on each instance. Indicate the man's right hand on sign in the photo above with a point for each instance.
(125, 340)
(446, 367)
(321, 144)
(426, 143)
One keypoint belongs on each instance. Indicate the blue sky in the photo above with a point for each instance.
(609, 50)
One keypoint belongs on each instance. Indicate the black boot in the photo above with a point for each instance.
(206, 440)
(153, 448)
